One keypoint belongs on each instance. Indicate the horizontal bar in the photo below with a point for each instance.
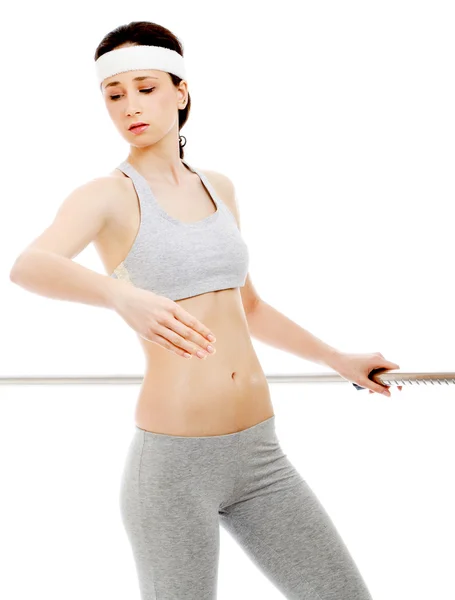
(387, 378)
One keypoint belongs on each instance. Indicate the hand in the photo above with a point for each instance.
(162, 321)
(357, 367)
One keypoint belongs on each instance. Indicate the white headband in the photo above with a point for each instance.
(131, 58)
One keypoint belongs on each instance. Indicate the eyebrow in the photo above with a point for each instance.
(135, 79)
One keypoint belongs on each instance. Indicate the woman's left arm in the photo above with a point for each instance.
(275, 329)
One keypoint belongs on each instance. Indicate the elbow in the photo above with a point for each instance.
(14, 276)
(14, 273)
(252, 307)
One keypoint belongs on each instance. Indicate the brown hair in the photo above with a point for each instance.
(146, 33)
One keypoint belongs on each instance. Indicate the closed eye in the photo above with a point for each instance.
(147, 91)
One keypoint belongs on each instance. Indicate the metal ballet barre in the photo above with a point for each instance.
(380, 376)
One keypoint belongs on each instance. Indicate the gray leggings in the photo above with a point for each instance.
(176, 491)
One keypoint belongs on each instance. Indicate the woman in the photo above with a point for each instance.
(205, 449)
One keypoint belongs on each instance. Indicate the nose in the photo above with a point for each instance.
(133, 111)
(132, 106)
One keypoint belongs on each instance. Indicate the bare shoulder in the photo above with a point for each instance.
(225, 188)
(110, 183)
(115, 187)
(219, 180)
(115, 181)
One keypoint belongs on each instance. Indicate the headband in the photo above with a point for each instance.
(131, 58)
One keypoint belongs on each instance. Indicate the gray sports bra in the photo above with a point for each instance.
(177, 259)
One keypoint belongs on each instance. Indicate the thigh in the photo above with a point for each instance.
(284, 529)
(173, 529)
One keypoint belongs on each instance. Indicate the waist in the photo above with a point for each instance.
(227, 400)
(219, 395)
(234, 367)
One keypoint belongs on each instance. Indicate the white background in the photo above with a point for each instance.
(336, 123)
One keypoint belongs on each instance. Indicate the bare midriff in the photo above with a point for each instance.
(222, 393)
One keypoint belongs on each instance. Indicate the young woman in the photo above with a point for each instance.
(205, 451)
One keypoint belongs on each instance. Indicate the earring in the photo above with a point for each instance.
(180, 140)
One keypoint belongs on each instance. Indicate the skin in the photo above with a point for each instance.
(227, 391)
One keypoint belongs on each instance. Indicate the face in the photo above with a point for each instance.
(144, 95)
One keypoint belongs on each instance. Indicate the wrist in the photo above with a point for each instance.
(333, 358)
(113, 292)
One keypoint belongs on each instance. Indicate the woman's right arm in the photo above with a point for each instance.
(46, 267)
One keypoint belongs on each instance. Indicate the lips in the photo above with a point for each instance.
(139, 129)
(138, 124)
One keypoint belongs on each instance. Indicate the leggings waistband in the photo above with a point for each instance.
(264, 428)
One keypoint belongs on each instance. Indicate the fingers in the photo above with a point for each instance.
(183, 332)
(379, 389)
(194, 324)
(165, 343)
(180, 336)
(191, 332)
(399, 387)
